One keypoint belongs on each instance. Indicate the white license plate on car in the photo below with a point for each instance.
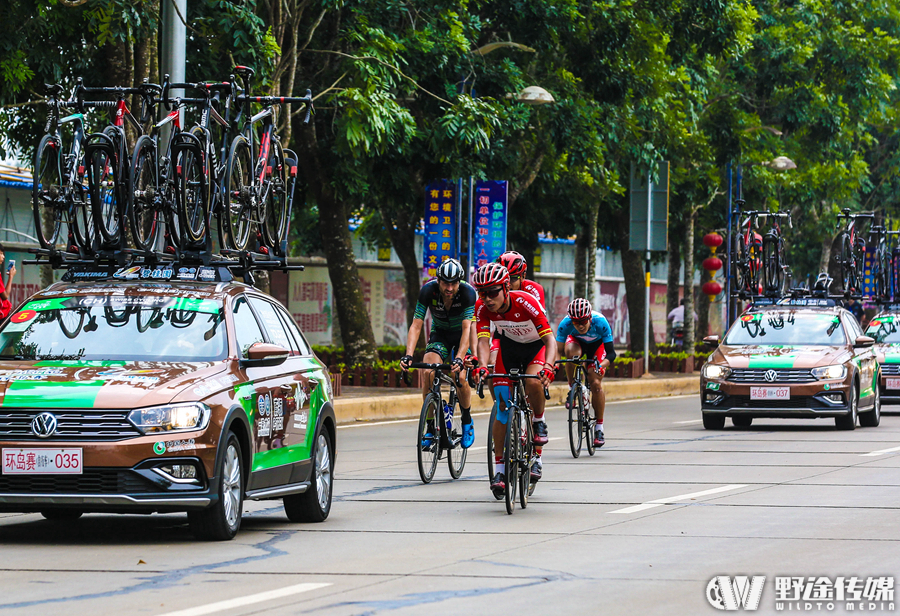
(42, 461)
(892, 383)
(770, 393)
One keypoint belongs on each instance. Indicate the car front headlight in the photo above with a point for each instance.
(170, 417)
(713, 371)
(830, 372)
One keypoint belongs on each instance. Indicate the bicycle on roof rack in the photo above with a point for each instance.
(774, 267)
(852, 255)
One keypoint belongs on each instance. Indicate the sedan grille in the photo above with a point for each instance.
(92, 481)
(72, 425)
(890, 369)
(782, 375)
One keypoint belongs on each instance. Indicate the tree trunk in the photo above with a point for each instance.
(633, 272)
(591, 274)
(403, 239)
(356, 327)
(672, 282)
(830, 246)
(703, 306)
(689, 283)
(580, 272)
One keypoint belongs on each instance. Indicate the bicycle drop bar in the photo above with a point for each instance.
(273, 100)
(593, 360)
(514, 377)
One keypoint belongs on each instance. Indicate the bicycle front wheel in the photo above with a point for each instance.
(511, 456)
(239, 195)
(82, 216)
(526, 487)
(144, 195)
(847, 265)
(46, 192)
(192, 192)
(428, 438)
(104, 181)
(774, 275)
(456, 455)
(490, 441)
(589, 422)
(576, 428)
(275, 226)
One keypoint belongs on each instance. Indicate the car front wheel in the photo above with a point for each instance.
(713, 421)
(871, 419)
(848, 421)
(222, 521)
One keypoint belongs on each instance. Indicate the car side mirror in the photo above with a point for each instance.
(714, 339)
(863, 342)
(263, 354)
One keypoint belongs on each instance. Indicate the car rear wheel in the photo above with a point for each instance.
(713, 422)
(314, 505)
(222, 521)
(62, 515)
(871, 419)
(848, 421)
(742, 421)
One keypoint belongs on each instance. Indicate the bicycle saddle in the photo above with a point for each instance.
(244, 71)
(53, 89)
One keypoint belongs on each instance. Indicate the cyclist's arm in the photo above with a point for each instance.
(415, 330)
(560, 349)
(462, 349)
(482, 333)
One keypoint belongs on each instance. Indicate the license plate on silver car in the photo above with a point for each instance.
(770, 393)
(42, 461)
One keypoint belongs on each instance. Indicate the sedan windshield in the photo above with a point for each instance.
(884, 330)
(786, 328)
(130, 328)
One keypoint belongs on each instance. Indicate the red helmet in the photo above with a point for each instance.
(579, 309)
(514, 262)
(491, 275)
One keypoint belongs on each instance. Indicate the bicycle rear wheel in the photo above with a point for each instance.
(46, 192)
(774, 274)
(511, 456)
(739, 263)
(82, 215)
(576, 427)
(144, 195)
(428, 439)
(104, 179)
(847, 265)
(239, 191)
(275, 225)
(456, 455)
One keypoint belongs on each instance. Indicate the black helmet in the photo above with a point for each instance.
(450, 271)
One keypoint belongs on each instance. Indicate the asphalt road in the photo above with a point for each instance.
(640, 528)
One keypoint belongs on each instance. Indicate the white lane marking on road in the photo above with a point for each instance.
(673, 499)
(880, 452)
(689, 421)
(212, 608)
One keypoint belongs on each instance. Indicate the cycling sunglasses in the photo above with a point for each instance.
(581, 321)
(491, 293)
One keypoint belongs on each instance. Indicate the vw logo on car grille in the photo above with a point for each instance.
(771, 376)
(44, 425)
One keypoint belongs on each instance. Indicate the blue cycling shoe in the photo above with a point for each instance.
(468, 435)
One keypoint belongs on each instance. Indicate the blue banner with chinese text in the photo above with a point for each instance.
(489, 221)
(440, 225)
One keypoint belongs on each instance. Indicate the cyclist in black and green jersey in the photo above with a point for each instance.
(452, 304)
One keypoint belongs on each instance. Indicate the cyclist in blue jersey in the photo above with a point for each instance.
(586, 332)
(452, 304)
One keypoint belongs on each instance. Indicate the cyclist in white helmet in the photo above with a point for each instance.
(451, 301)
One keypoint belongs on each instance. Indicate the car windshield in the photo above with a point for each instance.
(786, 328)
(116, 327)
(884, 329)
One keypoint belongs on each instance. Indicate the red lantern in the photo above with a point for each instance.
(712, 264)
(712, 288)
(712, 240)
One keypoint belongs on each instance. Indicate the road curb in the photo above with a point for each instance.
(407, 406)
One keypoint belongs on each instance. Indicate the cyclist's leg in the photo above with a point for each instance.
(492, 361)
(535, 394)
(501, 391)
(573, 350)
(436, 352)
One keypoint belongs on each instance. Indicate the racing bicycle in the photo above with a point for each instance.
(518, 448)
(851, 257)
(581, 412)
(773, 254)
(881, 263)
(746, 255)
(440, 426)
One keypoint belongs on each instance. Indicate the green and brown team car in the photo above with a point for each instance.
(800, 358)
(884, 329)
(136, 395)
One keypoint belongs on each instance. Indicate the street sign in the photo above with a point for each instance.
(489, 221)
(652, 196)
(440, 226)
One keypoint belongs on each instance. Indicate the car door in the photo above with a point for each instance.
(293, 424)
(865, 361)
(261, 386)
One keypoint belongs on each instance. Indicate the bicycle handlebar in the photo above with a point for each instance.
(273, 100)
(514, 377)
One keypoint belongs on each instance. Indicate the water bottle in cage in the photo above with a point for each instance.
(448, 415)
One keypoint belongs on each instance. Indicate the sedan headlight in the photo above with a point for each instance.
(170, 417)
(830, 372)
(712, 371)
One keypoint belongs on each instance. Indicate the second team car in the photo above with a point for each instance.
(135, 392)
(797, 358)
(885, 329)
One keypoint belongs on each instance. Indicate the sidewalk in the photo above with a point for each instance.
(357, 404)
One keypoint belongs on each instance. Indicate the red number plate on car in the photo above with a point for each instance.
(770, 393)
(892, 383)
(42, 461)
